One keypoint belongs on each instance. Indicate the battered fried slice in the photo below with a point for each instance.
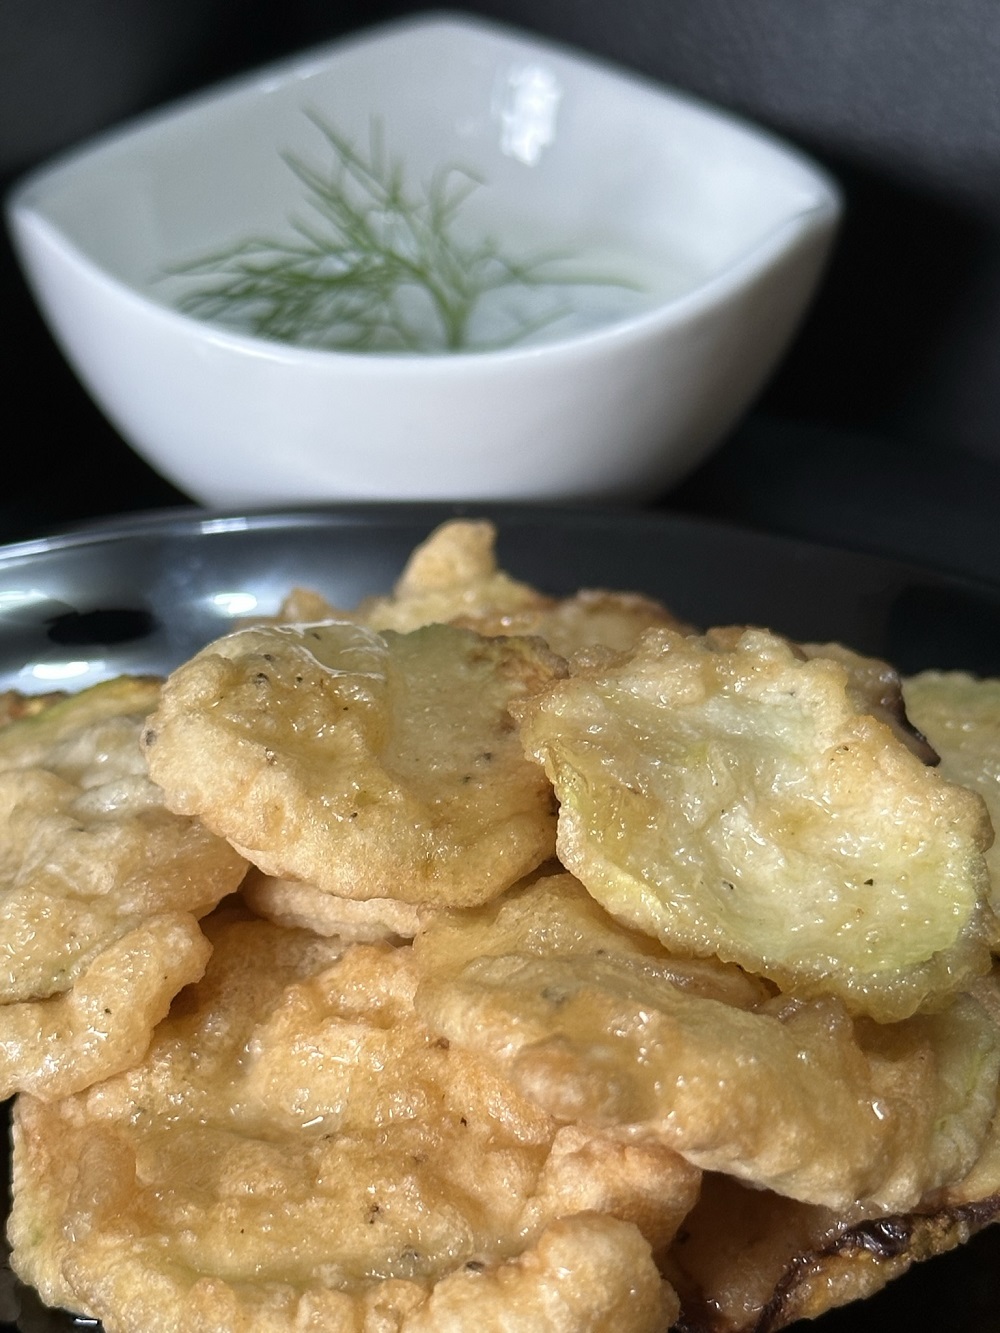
(68, 732)
(288, 902)
(960, 715)
(298, 1151)
(590, 618)
(749, 1261)
(95, 875)
(452, 574)
(734, 799)
(305, 606)
(102, 1023)
(15, 705)
(597, 1027)
(552, 916)
(453, 577)
(368, 766)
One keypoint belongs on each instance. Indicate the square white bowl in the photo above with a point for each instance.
(723, 228)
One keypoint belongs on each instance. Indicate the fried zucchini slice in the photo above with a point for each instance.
(15, 705)
(453, 578)
(368, 766)
(750, 1261)
(960, 715)
(732, 797)
(452, 575)
(599, 1027)
(101, 887)
(297, 1150)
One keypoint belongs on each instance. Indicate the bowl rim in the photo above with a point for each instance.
(674, 312)
(24, 205)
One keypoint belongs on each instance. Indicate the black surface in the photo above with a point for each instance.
(852, 489)
(144, 594)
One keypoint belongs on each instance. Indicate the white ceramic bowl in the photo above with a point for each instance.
(722, 230)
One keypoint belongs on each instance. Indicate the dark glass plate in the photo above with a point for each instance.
(144, 593)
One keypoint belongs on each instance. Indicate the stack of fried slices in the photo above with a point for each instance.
(475, 960)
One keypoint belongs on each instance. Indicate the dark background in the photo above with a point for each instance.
(881, 429)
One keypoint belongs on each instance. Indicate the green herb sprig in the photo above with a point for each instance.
(375, 267)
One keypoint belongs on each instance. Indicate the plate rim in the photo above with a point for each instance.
(196, 520)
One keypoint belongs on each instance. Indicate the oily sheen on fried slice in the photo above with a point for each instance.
(101, 887)
(733, 797)
(597, 1027)
(369, 766)
(297, 1150)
